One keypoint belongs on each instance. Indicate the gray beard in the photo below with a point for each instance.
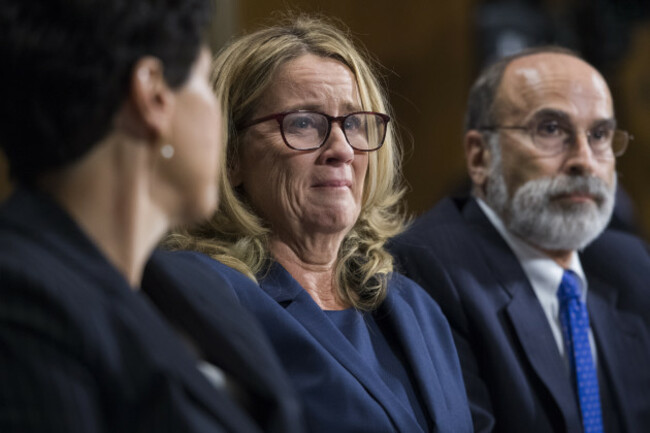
(550, 224)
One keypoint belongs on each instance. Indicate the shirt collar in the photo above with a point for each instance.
(543, 272)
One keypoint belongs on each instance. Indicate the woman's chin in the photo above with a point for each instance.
(333, 221)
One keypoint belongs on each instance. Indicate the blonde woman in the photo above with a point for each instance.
(311, 190)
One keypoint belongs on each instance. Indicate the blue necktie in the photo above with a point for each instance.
(575, 330)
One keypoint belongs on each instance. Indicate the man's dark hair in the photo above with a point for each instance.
(66, 66)
(480, 104)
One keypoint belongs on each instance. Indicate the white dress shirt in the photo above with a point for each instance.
(545, 276)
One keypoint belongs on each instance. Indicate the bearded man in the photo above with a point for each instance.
(552, 335)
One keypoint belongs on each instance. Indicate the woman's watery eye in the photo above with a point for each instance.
(296, 122)
(353, 123)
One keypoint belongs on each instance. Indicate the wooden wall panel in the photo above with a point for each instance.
(632, 100)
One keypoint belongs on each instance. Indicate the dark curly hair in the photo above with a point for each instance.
(66, 66)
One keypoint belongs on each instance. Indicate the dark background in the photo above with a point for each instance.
(431, 52)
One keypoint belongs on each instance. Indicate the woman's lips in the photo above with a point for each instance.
(333, 183)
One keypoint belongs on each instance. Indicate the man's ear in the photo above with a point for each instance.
(151, 100)
(478, 157)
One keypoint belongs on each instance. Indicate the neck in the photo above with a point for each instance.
(107, 194)
(313, 265)
(561, 257)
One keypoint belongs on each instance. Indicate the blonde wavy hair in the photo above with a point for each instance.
(236, 235)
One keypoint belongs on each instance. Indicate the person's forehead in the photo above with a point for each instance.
(311, 82)
(537, 80)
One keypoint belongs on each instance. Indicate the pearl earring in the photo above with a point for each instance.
(167, 151)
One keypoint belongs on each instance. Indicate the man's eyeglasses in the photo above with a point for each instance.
(552, 138)
(304, 130)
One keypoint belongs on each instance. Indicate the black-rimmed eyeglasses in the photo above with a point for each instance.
(303, 130)
(553, 138)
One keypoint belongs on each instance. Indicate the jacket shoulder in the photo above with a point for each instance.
(411, 295)
(623, 262)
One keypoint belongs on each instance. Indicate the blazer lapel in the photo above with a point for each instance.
(416, 351)
(526, 315)
(538, 344)
(285, 290)
(623, 352)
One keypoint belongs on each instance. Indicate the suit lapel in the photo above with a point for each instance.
(530, 324)
(285, 290)
(540, 349)
(623, 353)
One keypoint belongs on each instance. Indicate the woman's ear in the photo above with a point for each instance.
(477, 155)
(150, 99)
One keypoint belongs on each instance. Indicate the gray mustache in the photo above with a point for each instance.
(591, 185)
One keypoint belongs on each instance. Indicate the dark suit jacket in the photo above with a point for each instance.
(515, 378)
(339, 392)
(80, 351)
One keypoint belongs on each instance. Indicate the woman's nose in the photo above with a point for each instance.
(337, 148)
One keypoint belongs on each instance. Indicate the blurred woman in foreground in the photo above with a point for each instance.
(113, 135)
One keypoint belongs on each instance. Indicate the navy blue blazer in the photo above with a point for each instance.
(515, 378)
(80, 351)
(339, 393)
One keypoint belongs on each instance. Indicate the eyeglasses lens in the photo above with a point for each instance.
(304, 130)
(308, 130)
(605, 142)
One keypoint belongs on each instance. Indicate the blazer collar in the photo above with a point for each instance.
(284, 289)
(527, 317)
(417, 352)
(278, 283)
(37, 217)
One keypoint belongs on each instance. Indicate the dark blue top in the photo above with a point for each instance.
(367, 336)
(339, 390)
